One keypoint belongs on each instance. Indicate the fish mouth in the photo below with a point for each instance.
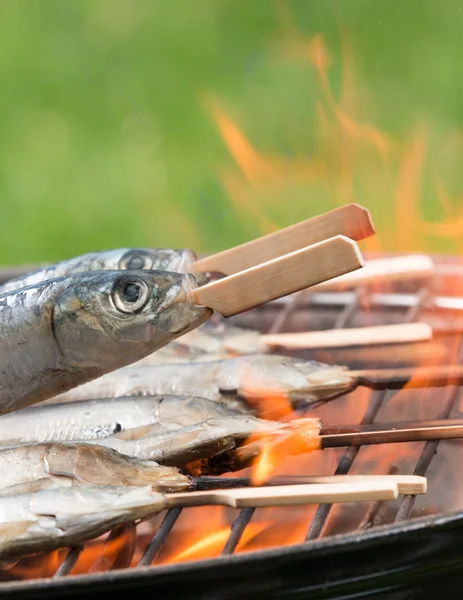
(187, 318)
(182, 314)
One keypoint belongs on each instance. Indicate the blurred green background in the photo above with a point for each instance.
(108, 138)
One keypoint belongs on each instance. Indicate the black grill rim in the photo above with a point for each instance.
(396, 556)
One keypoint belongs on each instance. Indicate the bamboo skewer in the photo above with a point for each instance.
(381, 270)
(389, 434)
(287, 495)
(392, 436)
(280, 276)
(418, 377)
(407, 484)
(357, 336)
(351, 220)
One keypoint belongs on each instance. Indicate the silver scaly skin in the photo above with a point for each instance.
(211, 341)
(43, 466)
(246, 378)
(46, 520)
(97, 419)
(64, 332)
(201, 441)
(162, 259)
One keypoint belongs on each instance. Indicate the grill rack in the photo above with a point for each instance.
(424, 297)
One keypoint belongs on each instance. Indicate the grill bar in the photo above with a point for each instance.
(349, 305)
(68, 563)
(430, 449)
(159, 538)
(237, 530)
(347, 460)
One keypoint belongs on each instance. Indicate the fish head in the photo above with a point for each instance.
(162, 259)
(299, 381)
(109, 319)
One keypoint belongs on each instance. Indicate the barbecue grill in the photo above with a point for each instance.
(410, 548)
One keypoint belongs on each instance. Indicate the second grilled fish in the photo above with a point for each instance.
(38, 466)
(49, 519)
(163, 259)
(96, 419)
(246, 377)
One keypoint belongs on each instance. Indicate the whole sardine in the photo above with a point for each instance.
(50, 519)
(246, 377)
(211, 341)
(64, 332)
(202, 441)
(29, 468)
(163, 259)
(96, 419)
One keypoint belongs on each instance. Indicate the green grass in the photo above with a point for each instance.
(107, 141)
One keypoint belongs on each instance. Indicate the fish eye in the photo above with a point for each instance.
(135, 260)
(130, 295)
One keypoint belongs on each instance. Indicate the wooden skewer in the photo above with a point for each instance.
(391, 436)
(413, 378)
(407, 484)
(286, 495)
(381, 270)
(357, 336)
(352, 221)
(280, 276)
(440, 430)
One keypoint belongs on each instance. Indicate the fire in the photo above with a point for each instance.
(212, 545)
(351, 157)
(264, 466)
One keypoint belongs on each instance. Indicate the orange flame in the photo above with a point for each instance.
(352, 159)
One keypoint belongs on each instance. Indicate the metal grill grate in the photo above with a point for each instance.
(345, 309)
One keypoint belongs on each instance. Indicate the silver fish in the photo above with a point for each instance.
(211, 341)
(29, 468)
(67, 331)
(95, 419)
(246, 377)
(163, 259)
(50, 519)
(202, 441)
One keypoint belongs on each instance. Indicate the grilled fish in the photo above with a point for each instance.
(95, 419)
(37, 466)
(248, 377)
(50, 519)
(64, 332)
(202, 441)
(211, 341)
(162, 259)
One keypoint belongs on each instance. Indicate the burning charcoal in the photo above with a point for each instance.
(41, 466)
(49, 519)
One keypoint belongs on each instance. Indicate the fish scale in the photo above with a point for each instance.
(61, 333)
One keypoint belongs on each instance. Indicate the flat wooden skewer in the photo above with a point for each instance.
(356, 336)
(381, 270)
(286, 495)
(280, 276)
(407, 484)
(394, 433)
(418, 377)
(351, 220)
